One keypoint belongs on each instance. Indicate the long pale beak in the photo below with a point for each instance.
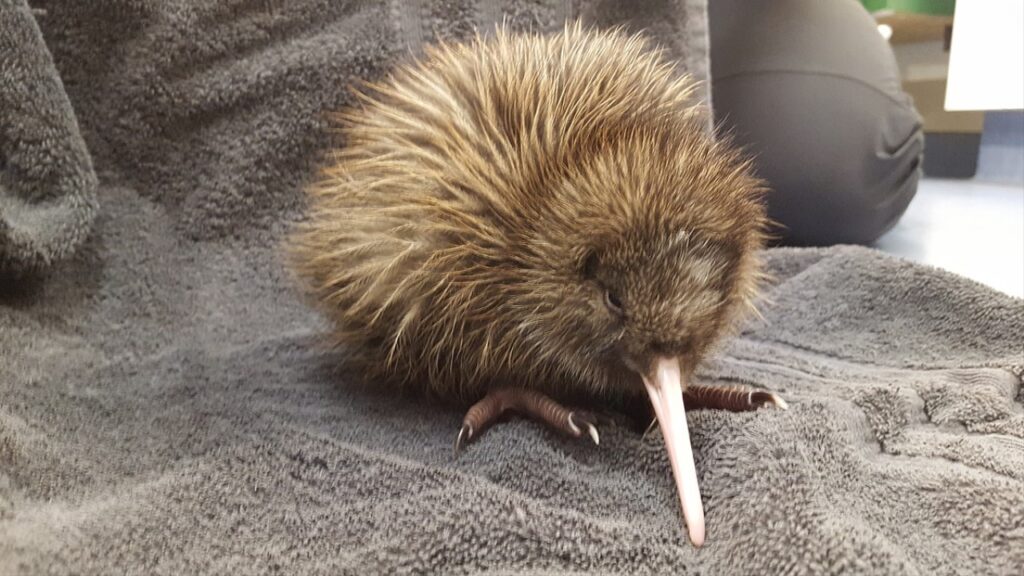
(665, 388)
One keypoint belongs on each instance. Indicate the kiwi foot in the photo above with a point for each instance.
(731, 398)
(531, 404)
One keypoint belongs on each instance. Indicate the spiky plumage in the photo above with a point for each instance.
(528, 210)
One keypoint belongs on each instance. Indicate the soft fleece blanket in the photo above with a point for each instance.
(165, 407)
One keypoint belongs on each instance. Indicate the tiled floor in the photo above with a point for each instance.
(971, 228)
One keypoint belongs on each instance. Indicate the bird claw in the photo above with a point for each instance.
(651, 426)
(779, 403)
(465, 432)
(531, 404)
(772, 399)
(586, 420)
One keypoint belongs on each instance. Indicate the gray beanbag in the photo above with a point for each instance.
(812, 89)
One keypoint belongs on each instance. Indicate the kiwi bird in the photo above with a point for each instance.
(523, 219)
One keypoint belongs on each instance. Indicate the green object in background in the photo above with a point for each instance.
(929, 7)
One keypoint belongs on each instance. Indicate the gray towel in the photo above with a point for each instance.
(47, 184)
(165, 407)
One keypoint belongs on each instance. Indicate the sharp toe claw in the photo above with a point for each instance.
(765, 398)
(779, 403)
(466, 432)
(572, 425)
(591, 429)
(654, 422)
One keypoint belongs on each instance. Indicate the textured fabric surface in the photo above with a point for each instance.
(47, 183)
(165, 407)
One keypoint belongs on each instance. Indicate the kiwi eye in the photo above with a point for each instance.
(613, 301)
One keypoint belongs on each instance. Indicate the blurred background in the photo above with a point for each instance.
(897, 124)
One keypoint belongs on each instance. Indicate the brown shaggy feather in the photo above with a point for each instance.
(491, 195)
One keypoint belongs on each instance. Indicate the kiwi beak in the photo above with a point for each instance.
(665, 387)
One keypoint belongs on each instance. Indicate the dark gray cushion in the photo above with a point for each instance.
(812, 90)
